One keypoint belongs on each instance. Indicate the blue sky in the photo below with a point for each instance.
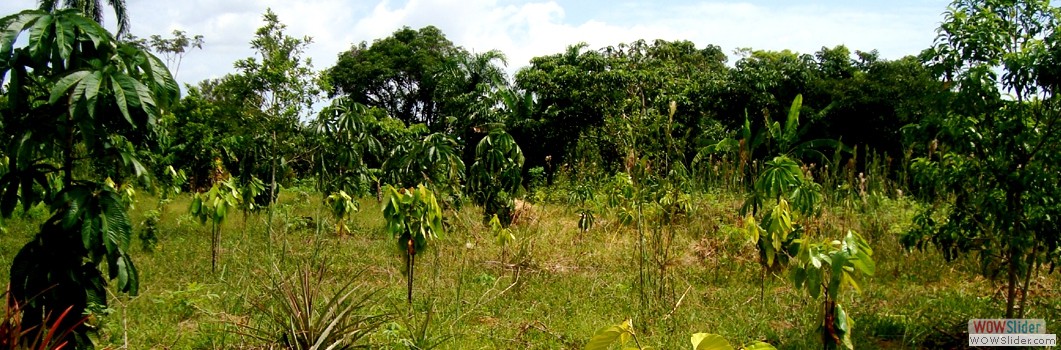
(527, 28)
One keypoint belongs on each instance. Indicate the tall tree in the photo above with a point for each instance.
(585, 95)
(92, 9)
(400, 74)
(996, 163)
(282, 88)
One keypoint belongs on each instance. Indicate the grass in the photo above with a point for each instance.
(556, 287)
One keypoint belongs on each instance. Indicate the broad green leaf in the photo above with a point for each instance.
(604, 338)
(705, 341)
(792, 123)
(14, 25)
(759, 346)
(121, 95)
(843, 326)
(92, 85)
(64, 84)
(39, 43)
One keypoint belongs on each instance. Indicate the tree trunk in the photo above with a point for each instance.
(1011, 282)
(1027, 281)
(272, 186)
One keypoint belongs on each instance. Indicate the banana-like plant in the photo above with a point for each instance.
(213, 206)
(413, 216)
(825, 269)
(341, 205)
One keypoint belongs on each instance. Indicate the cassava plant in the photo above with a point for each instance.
(413, 216)
(623, 333)
(825, 270)
(73, 97)
(496, 176)
(503, 235)
(249, 189)
(775, 232)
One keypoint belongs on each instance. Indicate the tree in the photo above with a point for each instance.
(282, 90)
(172, 49)
(93, 9)
(74, 95)
(587, 99)
(994, 161)
(400, 74)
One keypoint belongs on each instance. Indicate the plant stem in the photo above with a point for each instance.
(410, 262)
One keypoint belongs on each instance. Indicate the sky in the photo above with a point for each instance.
(523, 29)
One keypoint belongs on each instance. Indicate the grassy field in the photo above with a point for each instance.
(551, 289)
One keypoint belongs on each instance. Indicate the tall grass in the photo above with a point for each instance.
(558, 286)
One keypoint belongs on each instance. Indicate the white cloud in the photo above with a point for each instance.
(528, 28)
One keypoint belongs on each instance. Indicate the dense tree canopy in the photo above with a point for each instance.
(400, 74)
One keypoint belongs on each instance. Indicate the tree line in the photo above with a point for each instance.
(968, 126)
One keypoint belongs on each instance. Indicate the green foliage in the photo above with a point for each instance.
(623, 333)
(249, 190)
(346, 134)
(706, 341)
(342, 206)
(150, 231)
(399, 73)
(503, 234)
(74, 96)
(993, 164)
(270, 95)
(172, 49)
(433, 160)
(413, 216)
(783, 184)
(774, 237)
(297, 313)
(61, 264)
(213, 206)
(825, 269)
(496, 175)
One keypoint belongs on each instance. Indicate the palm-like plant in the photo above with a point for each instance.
(434, 160)
(344, 135)
(298, 314)
(74, 94)
(496, 174)
(93, 9)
